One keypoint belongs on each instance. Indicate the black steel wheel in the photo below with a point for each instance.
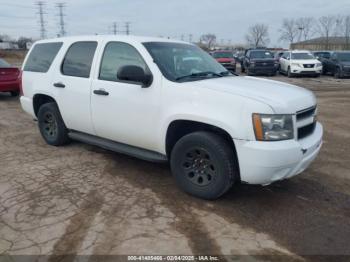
(204, 165)
(198, 167)
(51, 125)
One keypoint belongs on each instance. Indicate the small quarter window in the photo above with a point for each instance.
(78, 59)
(41, 57)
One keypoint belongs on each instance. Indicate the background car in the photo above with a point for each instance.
(278, 56)
(338, 64)
(259, 61)
(226, 59)
(322, 56)
(9, 78)
(300, 62)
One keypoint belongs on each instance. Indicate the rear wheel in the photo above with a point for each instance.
(51, 125)
(204, 165)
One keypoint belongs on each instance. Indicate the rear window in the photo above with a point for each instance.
(41, 57)
(78, 59)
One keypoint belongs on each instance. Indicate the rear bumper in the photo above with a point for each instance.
(27, 105)
(7, 86)
(266, 162)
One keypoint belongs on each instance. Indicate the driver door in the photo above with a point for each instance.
(124, 111)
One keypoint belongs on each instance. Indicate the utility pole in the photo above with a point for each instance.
(115, 28)
(40, 5)
(127, 28)
(61, 14)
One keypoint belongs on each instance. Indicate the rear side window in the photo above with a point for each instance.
(78, 59)
(41, 57)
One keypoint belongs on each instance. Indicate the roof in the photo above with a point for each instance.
(129, 38)
(335, 40)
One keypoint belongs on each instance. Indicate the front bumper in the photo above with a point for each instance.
(266, 162)
(230, 67)
(306, 71)
(262, 70)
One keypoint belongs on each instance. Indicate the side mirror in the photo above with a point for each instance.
(135, 74)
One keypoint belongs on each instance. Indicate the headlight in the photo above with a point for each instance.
(273, 127)
(295, 64)
(318, 65)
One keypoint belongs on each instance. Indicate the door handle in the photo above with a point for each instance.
(59, 85)
(101, 92)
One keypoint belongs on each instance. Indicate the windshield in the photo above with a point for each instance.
(323, 54)
(302, 56)
(222, 55)
(344, 57)
(184, 62)
(3, 63)
(261, 54)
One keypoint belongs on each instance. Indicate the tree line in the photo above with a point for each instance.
(302, 29)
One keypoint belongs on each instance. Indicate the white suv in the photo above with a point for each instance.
(300, 63)
(164, 100)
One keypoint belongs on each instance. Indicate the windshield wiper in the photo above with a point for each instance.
(200, 74)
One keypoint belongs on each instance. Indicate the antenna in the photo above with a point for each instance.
(61, 14)
(40, 5)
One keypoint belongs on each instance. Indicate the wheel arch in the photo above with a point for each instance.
(180, 127)
(41, 99)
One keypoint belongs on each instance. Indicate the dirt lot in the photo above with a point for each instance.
(80, 199)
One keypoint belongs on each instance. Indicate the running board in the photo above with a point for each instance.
(137, 152)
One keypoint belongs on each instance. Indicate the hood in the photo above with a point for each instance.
(225, 60)
(281, 97)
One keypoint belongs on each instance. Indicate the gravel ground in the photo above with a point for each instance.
(83, 200)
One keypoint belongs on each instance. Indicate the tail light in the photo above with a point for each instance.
(20, 83)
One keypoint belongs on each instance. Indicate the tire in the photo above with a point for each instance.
(14, 93)
(289, 73)
(242, 68)
(204, 165)
(337, 73)
(51, 125)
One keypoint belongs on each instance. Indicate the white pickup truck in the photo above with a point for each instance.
(163, 100)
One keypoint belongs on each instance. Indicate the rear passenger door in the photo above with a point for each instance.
(72, 83)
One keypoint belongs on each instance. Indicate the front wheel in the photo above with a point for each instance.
(289, 73)
(204, 165)
(51, 125)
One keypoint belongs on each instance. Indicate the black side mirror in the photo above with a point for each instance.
(132, 73)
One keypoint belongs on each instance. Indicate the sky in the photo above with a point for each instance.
(227, 19)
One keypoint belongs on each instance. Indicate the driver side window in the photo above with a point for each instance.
(117, 55)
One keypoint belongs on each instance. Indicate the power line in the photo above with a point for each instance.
(41, 5)
(61, 14)
(127, 28)
(115, 28)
